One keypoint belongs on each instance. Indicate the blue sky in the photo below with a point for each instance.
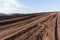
(43, 5)
(28, 6)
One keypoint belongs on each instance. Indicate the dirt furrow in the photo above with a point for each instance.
(17, 30)
(14, 20)
(4, 27)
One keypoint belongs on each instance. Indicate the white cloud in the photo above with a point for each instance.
(12, 6)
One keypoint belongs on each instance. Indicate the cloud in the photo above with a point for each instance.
(12, 6)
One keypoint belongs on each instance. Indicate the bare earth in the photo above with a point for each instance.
(37, 26)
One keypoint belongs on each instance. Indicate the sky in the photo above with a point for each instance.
(28, 6)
